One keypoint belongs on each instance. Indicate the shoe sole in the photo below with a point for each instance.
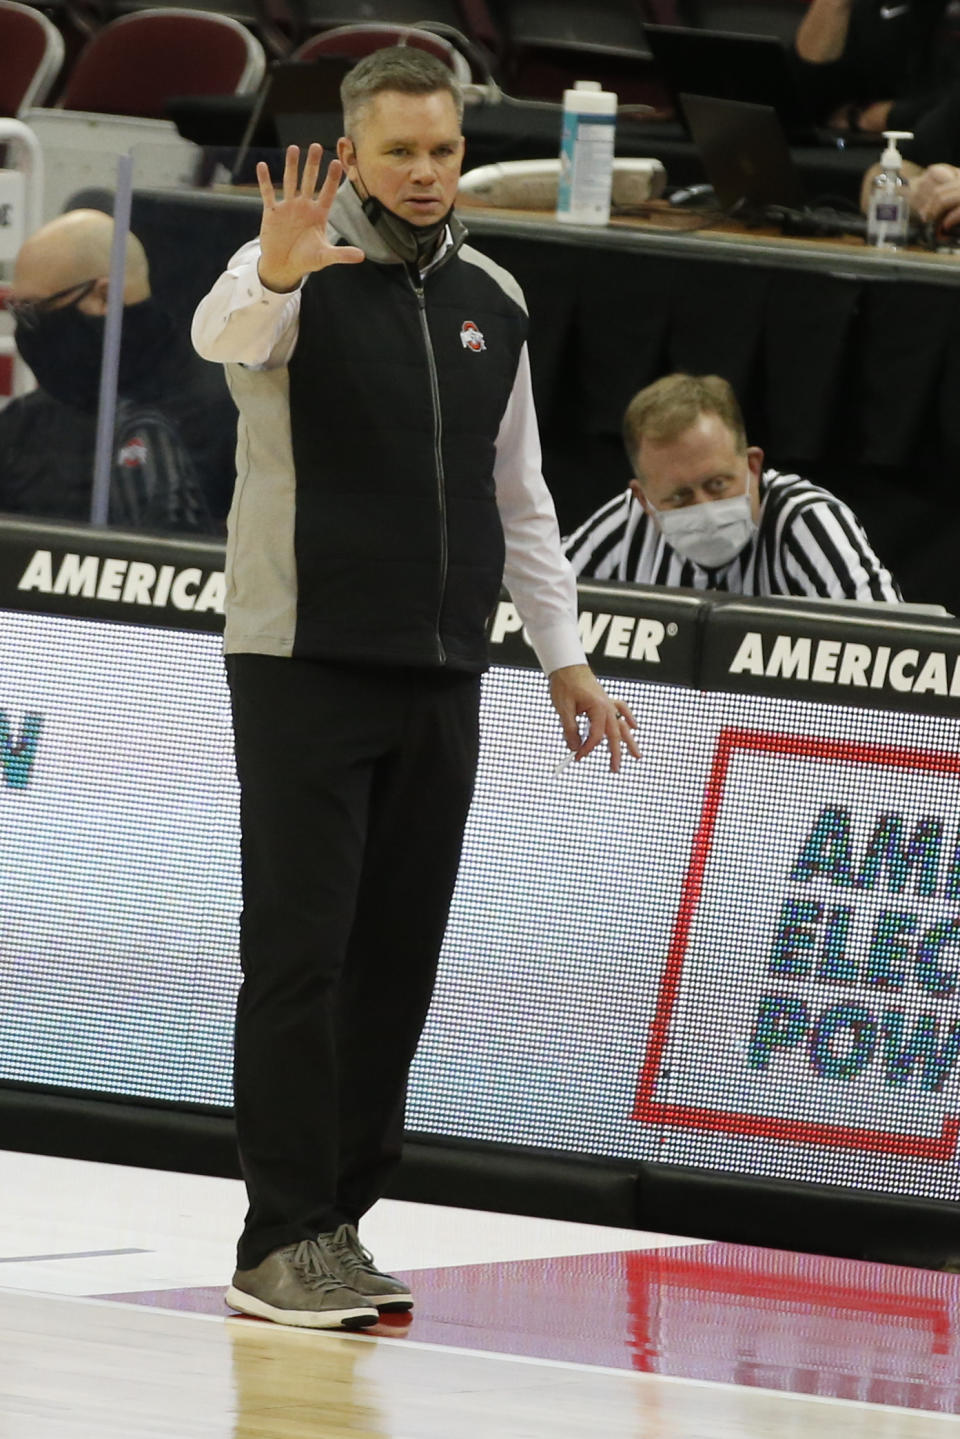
(357, 1318)
(390, 1303)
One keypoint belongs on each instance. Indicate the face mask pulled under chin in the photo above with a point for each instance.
(413, 244)
(710, 534)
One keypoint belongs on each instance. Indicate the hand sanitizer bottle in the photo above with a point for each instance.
(888, 208)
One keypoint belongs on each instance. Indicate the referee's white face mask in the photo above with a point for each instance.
(701, 493)
(710, 534)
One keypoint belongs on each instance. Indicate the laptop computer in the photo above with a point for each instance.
(752, 68)
(748, 163)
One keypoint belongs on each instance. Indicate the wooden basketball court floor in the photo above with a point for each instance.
(112, 1323)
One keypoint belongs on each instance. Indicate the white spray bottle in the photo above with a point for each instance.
(586, 154)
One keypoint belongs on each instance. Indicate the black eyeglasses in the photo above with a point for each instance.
(28, 312)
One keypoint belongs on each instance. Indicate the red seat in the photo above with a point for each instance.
(134, 65)
(356, 41)
(273, 22)
(31, 54)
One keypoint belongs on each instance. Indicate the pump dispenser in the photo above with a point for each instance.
(888, 208)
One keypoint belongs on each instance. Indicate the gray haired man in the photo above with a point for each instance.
(389, 479)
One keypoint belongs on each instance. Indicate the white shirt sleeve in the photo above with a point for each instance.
(540, 580)
(242, 322)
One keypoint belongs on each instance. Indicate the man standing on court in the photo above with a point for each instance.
(389, 476)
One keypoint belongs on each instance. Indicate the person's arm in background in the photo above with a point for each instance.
(817, 58)
(846, 62)
(822, 33)
(871, 119)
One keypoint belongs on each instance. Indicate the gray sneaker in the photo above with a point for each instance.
(298, 1285)
(356, 1268)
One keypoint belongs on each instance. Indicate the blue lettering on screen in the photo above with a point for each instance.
(892, 856)
(898, 949)
(18, 752)
(845, 1039)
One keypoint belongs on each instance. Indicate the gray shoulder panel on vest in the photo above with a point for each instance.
(496, 272)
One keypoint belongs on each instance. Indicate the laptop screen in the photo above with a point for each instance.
(744, 152)
(751, 68)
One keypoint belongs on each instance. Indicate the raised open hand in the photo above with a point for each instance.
(293, 231)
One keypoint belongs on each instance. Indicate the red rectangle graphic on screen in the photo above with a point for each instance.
(650, 1110)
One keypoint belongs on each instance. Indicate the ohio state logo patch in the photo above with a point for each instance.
(134, 454)
(470, 336)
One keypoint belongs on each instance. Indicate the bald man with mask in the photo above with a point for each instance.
(175, 425)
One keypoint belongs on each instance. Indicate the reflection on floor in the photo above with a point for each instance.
(726, 1313)
(493, 1284)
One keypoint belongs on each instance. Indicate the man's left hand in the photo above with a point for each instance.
(575, 690)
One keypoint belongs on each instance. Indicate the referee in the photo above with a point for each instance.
(703, 513)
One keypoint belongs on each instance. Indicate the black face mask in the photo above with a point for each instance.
(64, 348)
(413, 243)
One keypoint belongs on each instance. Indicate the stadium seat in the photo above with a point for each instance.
(274, 22)
(470, 18)
(138, 62)
(31, 54)
(246, 11)
(360, 40)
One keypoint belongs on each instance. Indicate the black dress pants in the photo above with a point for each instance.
(355, 785)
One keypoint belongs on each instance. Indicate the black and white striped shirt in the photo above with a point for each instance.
(807, 543)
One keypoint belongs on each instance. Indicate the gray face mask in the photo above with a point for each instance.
(710, 534)
(414, 244)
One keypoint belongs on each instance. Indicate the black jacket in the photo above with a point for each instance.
(173, 448)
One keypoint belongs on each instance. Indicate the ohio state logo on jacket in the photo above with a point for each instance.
(470, 336)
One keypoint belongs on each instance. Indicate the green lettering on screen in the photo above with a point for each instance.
(17, 753)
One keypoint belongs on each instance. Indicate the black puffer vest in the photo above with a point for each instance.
(398, 386)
